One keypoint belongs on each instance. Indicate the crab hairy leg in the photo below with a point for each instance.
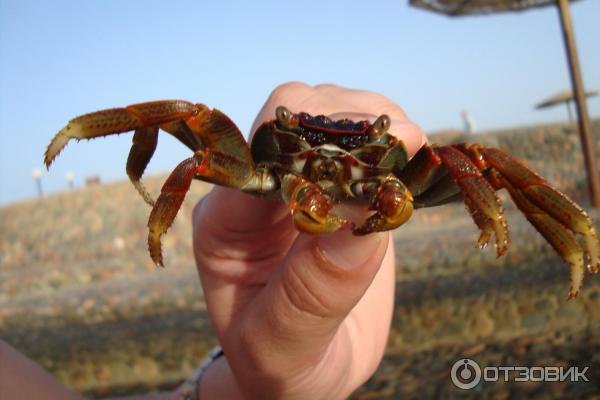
(479, 196)
(548, 198)
(206, 165)
(227, 170)
(422, 171)
(119, 120)
(216, 131)
(309, 206)
(562, 239)
(428, 180)
(551, 212)
(224, 159)
(167, 205)
(144, 144)
(391, 201)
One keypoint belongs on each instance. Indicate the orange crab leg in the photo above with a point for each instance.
(119, 120)
(479, 195)
(209, 166)
(553, 214)
(167, 205)
(422, 171)
(222, 156)
(145, 119)
(428, 180)
(562, 240)
(144, 144)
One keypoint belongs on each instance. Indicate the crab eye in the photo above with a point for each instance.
(381, 125)
(284, 116)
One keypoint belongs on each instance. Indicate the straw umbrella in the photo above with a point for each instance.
(566, 96)
(478, 7)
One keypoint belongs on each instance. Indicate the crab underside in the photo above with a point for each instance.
(314, 163)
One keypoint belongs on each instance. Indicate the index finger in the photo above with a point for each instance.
(338, 102)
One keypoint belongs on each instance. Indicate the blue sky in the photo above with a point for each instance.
(60, 59)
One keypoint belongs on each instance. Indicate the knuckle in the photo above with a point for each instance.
(285, 89)
(327, 87)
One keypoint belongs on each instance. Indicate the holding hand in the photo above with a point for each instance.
(298, 316)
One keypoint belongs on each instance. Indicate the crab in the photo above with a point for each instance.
(314, 163)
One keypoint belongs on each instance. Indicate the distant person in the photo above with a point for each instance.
(468, 124)
(298, 316)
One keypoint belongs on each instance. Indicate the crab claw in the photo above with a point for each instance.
(167, 205)
(311, 208)
(393, 205)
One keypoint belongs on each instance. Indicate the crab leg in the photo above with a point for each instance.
(224, 159)
(167, 205)
(562, 240)
(144, 144)
(552, 213)
(194, 125)
(309, 206)
(422, 171)
(119, 120)
(145, 119)
(206, 165)
(438, 175)
(222, 155)
(393, 205)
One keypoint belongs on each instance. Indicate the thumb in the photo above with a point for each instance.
(320, 282)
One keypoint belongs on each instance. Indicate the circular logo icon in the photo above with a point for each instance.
(465, 374)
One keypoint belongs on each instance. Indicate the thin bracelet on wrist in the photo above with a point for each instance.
(189, 390)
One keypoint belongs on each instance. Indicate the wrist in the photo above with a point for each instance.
(212, 379)
(218, 382)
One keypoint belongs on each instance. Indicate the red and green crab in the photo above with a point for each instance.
(313, 163)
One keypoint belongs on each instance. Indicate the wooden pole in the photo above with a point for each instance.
(588, 144)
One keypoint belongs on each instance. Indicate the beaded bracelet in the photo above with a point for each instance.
(189, 390)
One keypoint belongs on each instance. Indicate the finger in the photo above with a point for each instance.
(408, 132)
(376, 325)
(367, 101)
(293, 95)
(295, 318)
(411, 135)
(340, 102)
(238, 241)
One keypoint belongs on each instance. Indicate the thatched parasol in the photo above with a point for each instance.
(474, 7)
(566, 96)
(477, 7)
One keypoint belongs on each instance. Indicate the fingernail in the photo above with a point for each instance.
(347, 251)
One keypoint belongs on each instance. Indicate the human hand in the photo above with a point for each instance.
(298, 316)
